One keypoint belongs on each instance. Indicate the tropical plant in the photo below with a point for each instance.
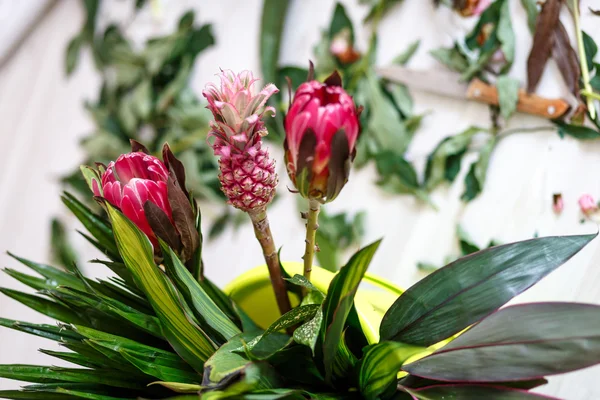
(161, 329)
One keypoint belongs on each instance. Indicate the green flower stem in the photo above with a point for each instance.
(592, 95)
(585, 73)
(311, 231)
(262, 231)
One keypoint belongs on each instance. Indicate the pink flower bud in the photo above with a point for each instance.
(322, 127)
(152, 195)
(133, 179)
(587, 204)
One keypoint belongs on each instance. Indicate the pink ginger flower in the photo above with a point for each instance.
(322, 128)
(587, 204)
(247, 174)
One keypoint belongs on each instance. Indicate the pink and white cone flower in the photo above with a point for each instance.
(247, 174)
(152, 195)
(321, 127)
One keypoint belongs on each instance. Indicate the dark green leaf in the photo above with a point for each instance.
(341, 22)
(54, 276)
(51, 332)
(466, 243)
(465, 291)
(273, 18)
(34, 373)
(437, 162)
(339, 301)
(577, 131)
(591, 49)
(517, 343)
(506, 36)
(95, 224)
(47, 307)
(475, 178)
(72, 54)
(380, 365)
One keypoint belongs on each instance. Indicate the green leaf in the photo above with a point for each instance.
(473, 392)
(506, 36)
(308, 333)
(190, 342)
(437, 161)
(591, 49)
(112, 307)
(164, 368)
(466, 243)
(380, 7)
(180, 387)
(72, 54)
(380, 365)
(34, 373)
(273, 18)
(62, 251)
(530, 7)
(577, 131)
(31, 281)
(200, 302)
(30, 395)
(226, 366)
(54, 276)
(95, 224)
(475, 178)
(47, 307)
(340, 22)
(465, 291)
(518, 343)
(452, 58)
(289, 319)
(508, 95)
(51, 332)
(406, 55)
(339, 301)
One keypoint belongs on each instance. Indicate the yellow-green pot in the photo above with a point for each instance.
(253, 293)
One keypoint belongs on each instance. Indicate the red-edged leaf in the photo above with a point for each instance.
(467, 290)
(473, 392)
(520, 342)
(542, 42)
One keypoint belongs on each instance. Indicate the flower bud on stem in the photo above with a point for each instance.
(262, 231)
(311, 230)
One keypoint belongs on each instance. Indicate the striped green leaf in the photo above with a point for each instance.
(339, 302)
(72, 357)
(188, 339)
(465, 291)
(380, 365)
(31, 395)
(205, 309)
